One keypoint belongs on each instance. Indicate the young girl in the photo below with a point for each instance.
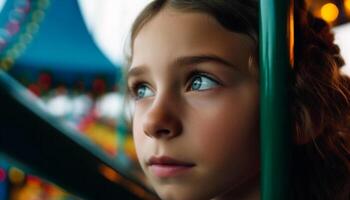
(193, 78)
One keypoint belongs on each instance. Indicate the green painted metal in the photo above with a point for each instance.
(274, 69)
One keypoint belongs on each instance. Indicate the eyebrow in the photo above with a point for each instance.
(191, 60)
(136, 71)
(183, 61)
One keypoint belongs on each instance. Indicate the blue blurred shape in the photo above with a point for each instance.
(62, 45)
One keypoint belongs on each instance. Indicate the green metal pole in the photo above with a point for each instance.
(274, 69)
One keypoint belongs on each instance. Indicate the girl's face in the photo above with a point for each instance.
(195, 122)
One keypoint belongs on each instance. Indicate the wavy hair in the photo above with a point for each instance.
(320, 110)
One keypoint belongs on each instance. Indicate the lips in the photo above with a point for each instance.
(165, 167)
(164, 160)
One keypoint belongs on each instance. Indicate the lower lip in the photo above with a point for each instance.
(165, 171)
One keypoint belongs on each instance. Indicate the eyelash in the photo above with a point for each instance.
(195, 74)
(133, 88)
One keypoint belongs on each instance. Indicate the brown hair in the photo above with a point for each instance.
(320, 112)
(320, 106)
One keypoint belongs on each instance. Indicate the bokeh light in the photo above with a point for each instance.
(2, 174)
(329, 12)
(347, 6)
(110, 174)
(16, 175)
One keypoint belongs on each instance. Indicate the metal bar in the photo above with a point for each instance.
(274, 69)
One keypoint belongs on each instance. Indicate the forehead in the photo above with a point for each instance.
(174, 33)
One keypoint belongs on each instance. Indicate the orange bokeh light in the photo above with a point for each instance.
(347, 6)
(329, 12)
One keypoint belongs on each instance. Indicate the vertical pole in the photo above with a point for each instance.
(275, 53)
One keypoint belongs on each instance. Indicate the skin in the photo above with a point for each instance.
(213, 126)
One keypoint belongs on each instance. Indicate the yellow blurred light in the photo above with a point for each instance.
(16, 175)
(329, 12)
(347, 5)
(130, 148)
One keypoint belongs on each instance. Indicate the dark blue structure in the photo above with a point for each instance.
(59, 44)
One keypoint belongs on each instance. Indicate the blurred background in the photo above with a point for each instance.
(69, 56)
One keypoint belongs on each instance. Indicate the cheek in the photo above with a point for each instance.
(229, 134)
(227, 130)
(229, 145)
(138, 136)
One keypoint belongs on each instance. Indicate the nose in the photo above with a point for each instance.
(162, 120)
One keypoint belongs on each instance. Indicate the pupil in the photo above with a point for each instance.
(197, 83)
(141, 92)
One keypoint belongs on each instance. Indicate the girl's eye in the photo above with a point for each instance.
(143, 91)
(202, 82)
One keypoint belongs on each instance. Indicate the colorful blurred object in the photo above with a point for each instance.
(45, 40)
(53, 54)
(335, 12)
(329, 12)
(20, 20)
(15, 184)
(347, 7)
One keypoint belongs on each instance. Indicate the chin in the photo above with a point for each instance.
(181, 194)
(173, 196)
